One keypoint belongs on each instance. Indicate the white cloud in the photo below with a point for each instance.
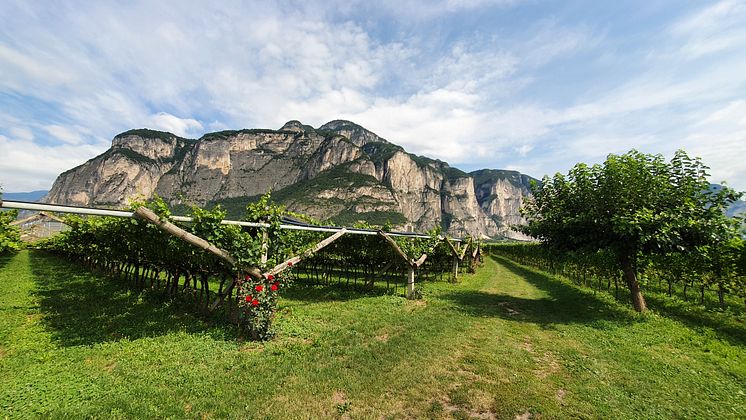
(20, 69)
(415, 10)
(184, 127)
(478, 98)
(21, 133)
(523, 150)
(716, 28)
(720, 140)
(28, 166)
(65, 134)
(721, 15)
(552, 40)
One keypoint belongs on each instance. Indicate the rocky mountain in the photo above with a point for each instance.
(339, 171)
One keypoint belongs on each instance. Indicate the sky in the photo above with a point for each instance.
(534, 86)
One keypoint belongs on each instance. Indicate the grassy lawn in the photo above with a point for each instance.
(505, 342)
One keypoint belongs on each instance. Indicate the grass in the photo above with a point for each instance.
(506, 341)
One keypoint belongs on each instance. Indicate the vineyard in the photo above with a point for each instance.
(656, 220)
(126, 317)
(689, 276)
(238, 270)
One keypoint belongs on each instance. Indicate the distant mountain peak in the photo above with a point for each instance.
(148, 133)
(356, 133)
(296, 126)
(336, 124)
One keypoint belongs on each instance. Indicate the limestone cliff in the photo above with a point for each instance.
(340, 171)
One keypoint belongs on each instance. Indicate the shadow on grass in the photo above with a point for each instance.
(84, 308)
(726, 325)
(571, 304)
(4, 260)
(565, 305)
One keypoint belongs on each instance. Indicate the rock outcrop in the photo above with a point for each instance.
(340, 171)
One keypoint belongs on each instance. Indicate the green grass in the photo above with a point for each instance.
(503, 342)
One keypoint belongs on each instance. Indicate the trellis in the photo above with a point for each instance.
(149, 216)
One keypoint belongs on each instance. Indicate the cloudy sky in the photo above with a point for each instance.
(529, 85)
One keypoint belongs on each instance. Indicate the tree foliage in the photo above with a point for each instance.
(634, 205)
(10, 236)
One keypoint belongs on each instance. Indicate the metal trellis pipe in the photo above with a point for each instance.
(24, 205)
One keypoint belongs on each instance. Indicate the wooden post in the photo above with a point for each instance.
(265, 247)
(453, 249)
(395, 246)
(460, 256)
(410, 283)
(412, 265)
(466, 248)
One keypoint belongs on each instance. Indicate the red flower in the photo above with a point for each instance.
(273, 287)
(254, 302)
(290, 263)
(248, 298)
(248, 277)
(259, 287)
(270, 277)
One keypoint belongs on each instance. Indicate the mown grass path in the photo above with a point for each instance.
(505, 342)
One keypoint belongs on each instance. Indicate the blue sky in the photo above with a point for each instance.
(535, 86)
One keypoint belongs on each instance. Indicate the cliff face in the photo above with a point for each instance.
(339, 171)
(133, 165)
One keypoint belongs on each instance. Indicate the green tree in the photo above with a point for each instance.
(632, 205)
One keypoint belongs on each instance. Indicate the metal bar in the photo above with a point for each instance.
(22, 205)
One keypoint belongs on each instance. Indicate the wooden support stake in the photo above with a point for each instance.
(453, 248)
(53, 217)
(466, 247)
(396, 247)
(221, 298)
(170, 228)
(410, 283)
(421, 260)
(295, 260)
(412, 264)
(265, 247)
(24, 220)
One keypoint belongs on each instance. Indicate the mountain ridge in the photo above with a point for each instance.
(339, 171)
